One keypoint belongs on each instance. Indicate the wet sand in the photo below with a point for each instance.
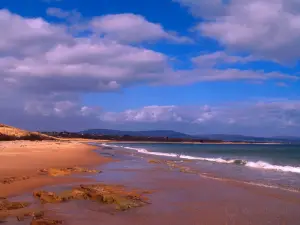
(183, 198)
(21, 160)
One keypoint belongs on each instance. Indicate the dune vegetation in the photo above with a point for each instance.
(9, 133)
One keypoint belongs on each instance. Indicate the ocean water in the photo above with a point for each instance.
(274, 165)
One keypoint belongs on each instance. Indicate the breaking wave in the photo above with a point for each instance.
(257, 165)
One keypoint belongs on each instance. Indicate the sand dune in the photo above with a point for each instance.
(12, 133)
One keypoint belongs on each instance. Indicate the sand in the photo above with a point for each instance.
(176, 197)
(182, 198)
(23, 159)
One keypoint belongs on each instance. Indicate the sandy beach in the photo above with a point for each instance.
(174, 192)
(21, 160)
(183, 196)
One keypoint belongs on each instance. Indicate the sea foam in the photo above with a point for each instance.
(257, 165)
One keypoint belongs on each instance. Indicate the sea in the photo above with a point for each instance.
(269, 165)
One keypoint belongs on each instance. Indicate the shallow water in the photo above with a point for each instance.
(272, 165)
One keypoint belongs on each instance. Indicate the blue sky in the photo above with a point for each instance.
(189, 65)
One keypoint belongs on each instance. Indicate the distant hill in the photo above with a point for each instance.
(174, 134)
(235, 137)
(151, 133)
(9, 133)
(229, 137)
(291, 138)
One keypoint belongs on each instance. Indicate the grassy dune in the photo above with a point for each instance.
(8, 133)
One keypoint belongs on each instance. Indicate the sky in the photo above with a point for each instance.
(195, 66)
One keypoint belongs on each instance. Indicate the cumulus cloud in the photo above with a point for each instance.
(261, 118)
(130, 28)
(269, 29)
(125, 27)
(39, 57)
(64, 108)
(276, 117)
(45, 68)
(25, 37)
(146, 114)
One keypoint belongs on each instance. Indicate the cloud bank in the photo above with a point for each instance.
(46, 66)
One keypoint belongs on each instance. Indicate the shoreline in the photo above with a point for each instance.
(170, 142)
(178, 193)
(187, 142)
(83, 140)
(253, 167)
(20, 161)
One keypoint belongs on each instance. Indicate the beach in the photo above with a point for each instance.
(177, 193)
(24, 158)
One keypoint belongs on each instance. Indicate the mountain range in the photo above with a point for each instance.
(175, 134)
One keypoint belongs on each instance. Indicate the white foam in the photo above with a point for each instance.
(145, 151)
(257, 165)
(267, 166)
(219, 160)
(110, 145)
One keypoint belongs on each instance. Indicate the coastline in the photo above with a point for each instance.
(84, 140)
(21, 161)
(24, 158)
(178, 193)
(170, 142)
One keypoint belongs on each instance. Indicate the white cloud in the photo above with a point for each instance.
(57, 112)
(269, 29)
(264, 28)
(262, 118)
(130, 28)
(37, 55)
(147, 114)
(59, 108)
(25, 37)
(40, 59)
(125, 28)
(182, 77)
(212, 59)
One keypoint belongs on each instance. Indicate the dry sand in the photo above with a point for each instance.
(25, 158)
